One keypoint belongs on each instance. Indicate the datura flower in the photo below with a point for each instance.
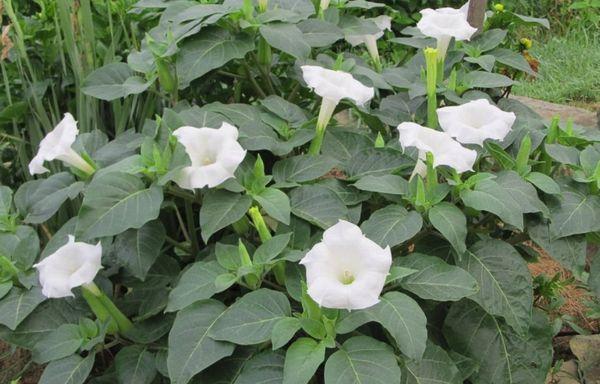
(443, 24)
(332, 86)
(383, 22)
(476, 121)
(57, 146)
(346, 270)
(445, 150)
(72, 265)
(215, 155)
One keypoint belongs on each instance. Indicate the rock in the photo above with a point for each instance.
(548, 110)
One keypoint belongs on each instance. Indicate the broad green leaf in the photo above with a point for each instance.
(320, 33)
(210, 49)
(226, 371)
(61, 342)
(352, 25)
(138, 249)
(344, 145)
(489, 196)
(18, 304)
(221, 208)
(317, 205)
(283, 331)
(49, 195)
(302, 168)
(251, 319)
(70, 370)
(263, 368)
(400, 315)
(387, 184)
(523, 193)
(512, 59)
(289, 112)
(275, 203)
(435, 279)
(21, 246)
(503, 355)
(302, 360)
(505, 284)
(488, 40)
(135, 365)
(5, 288)
(594, 278)
(287, 38)
(115, 202)
(272, 248)
(576, 213)
(349, 195)
(191, 349)
(532, 20)
(392, 225)
(362, 360)
(375, 162)
(436, 367)
(543, 183)
(481, 79)
(287, 10)
(113, 81)
(451, 223)
(562, 153)
(6, 197)
(196, 283)
(484, 61)
(569, 251)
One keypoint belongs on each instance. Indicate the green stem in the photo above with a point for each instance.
(104, 308)
(259, 224)
(191, 224)
(431, 62)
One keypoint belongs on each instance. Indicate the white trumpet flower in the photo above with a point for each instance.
(57, 146)
(215, 155)
(384, 23)
(72, 265)
(476, 121)
(443, 24)
(346, 270)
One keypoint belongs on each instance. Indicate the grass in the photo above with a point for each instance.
(569, 70)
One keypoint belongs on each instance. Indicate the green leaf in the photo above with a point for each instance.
(562, 153)
(113, 81)
(576, 213)
(569, 251)
(49, 195)
(191, 349)
(61, 342)
(18, 304)
(512, 59)
(523, 193)
(501, 156)
(138, 249)
(435, 279)
(263, 368)
(287, 38)
(594, 279)
(196, 283)
(5, 288)
(251, 319)
(392, 225)
(302, 168)
(302, 360)
(221, 208)
(451, 223)
(115, 202)
(70, 370)
(317, 205)
(376, 162)
(481, 79)
(543, 183)
(485, 61)
(491, 197)
(135, 365)
(400, 315)
(436, 367)
(272, 248)
(488, 40)
(283, 331)
(362, 360)
(289, 112)
(387, 184)
(503, 355)
(21, 247)
(344, 145)
(210, 49)
(320, 33)
(6, 197)
(275, 203)
(505, 284)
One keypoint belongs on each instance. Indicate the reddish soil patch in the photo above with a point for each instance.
(15, 364)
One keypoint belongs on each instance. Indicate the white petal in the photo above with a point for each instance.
(445, 150)
(56, 143)
(476, 121)
(445, 22)
(336, 85)
(36, 166)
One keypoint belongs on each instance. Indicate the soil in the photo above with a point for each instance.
(580, 116)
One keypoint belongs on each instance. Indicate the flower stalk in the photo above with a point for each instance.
(431, 61)
(325, 113)
(104, 308)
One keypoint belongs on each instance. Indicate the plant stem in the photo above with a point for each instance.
(104, 308)
(189, 216)
(252, 81)
(431, 62)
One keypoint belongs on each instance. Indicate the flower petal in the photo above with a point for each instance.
(336, 85)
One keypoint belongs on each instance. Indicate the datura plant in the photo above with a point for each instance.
(297, 207)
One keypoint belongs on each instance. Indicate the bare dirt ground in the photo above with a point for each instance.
(580, 116)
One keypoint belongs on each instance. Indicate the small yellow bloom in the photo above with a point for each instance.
(526, 43)
(499, 7)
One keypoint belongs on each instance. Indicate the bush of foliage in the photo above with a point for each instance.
(304, 206)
